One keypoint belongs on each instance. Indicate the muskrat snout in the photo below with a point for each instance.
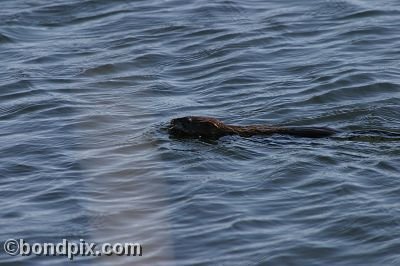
(178, 126)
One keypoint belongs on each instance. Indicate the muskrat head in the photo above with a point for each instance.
(198, 127)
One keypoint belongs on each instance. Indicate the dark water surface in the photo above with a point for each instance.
(87, 88)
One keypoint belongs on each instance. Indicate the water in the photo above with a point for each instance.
(88, 87)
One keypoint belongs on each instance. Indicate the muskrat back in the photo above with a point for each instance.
(212, 128)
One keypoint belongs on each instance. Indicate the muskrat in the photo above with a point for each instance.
(212, 128)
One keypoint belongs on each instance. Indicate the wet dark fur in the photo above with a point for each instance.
(211, 128)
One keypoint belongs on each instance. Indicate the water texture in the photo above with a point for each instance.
(87, 89)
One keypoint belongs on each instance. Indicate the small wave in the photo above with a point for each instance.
(5, 39)
(370, 13)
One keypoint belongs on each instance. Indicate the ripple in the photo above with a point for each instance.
(371, 13)
(377, 91)
(5, 39)
(87, 92)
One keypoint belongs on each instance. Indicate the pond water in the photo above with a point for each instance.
(87, 89)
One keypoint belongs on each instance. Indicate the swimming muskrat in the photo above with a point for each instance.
(211, 128)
